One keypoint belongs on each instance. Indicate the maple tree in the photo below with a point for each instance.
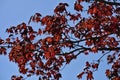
(98, 32)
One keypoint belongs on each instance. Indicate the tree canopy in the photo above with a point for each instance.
(66, 35)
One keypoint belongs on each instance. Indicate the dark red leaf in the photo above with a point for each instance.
(79, 76)
(78, 6)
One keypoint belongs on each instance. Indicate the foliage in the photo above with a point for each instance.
(98, 32)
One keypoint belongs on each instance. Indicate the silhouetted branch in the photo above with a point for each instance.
(110, 3)
(92, 38)
(102, 56)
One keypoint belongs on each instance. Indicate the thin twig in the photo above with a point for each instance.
(103, 56)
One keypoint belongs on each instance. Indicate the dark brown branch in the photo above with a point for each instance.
(102, 56)
(82, 49)
(79, 53)
(6, 46)
(99, 49)
(110, 3)
(70, 51)
(106, 49)
(92, 38)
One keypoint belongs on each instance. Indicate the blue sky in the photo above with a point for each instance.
(13, 12)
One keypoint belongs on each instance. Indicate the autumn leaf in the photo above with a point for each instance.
(18, 47)
(9, 30)
(43, 20)
(118, 10)
(16, 77)
(29, 75)
(39, 72)
(95, 66)
(90, 76)
(49, 74)
(108, 73)
(78, 7)
(49, 39)
(88, 64)
(32, 37)
(116, 78)
(57, 38)
(32, 64)
(32, 46)
(8, 40)
(41, 64)
(95, 10)
(86, 52)
(60, 8)
(79, 76)
(17, 40)
(88, 42)
(74, 17)
(47, 55)
(39, 32)
(94, 49)
(24, 26)
(1, 41)
(3, 51)
(29, 56)
(37, 19)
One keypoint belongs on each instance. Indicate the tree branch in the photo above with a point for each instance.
(110, 3)
(70, 51)
(92, 38)
(107, 49)
(102, 56)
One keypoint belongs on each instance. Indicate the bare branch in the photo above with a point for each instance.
(102, 56)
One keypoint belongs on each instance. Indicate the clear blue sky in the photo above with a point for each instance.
(13, 12)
